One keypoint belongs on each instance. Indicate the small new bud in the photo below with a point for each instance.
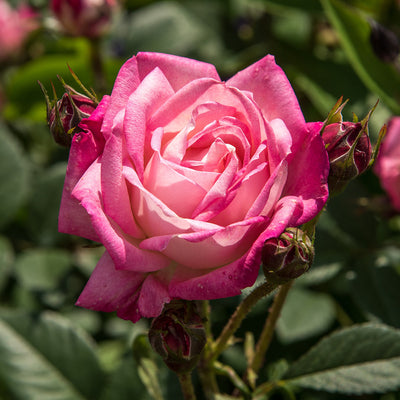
(67, 113)
(178, 335)
(384, 42)
(288, 256)
(349, 150)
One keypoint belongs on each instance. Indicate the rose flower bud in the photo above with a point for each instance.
(88, 18)
(288, 256)
(387, 165)
(349, 151)
(178, 335)
(183, 177)
(65, 116)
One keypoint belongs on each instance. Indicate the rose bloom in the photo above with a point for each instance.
(183, 177)
(90, 18)
(387, 166)
(15, 27)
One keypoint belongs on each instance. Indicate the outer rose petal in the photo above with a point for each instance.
(273, 93)
(86, 147)
(308, 183)
(109, 290)
(123, 249)
(178, 70)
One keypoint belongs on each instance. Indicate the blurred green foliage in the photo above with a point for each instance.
(324, 48)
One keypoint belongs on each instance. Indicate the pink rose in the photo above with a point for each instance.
(15, 27)
(387, 166)
(90, 18)
(183, 178)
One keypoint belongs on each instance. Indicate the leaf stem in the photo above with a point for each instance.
(186, 386)
(267, 333)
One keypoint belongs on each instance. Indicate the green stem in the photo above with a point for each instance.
(186, 385)
(208, 380)
(97, 65)
(267, 333)
(236, 319)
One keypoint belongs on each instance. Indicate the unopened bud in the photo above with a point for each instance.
(178, 335)
(288, 256)
(67, 113)
(89, 18)
(384, 42)
(349, 150)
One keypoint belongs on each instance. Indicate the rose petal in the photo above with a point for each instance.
(178, 70)
(177, 111)
(270, 193)
(217, 246)
(123, 249)
(153, 91)
(219, 196)
(164, 183)
(110, 290)
(85, 148)
(115, 197)
(153, 296)
(273, 94)
(125, 84)
(307, 182)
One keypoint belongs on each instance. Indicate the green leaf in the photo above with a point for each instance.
(305, 314)
(354, 31)
(124, 383)
(47, 358)
(376, 290)
(6, 259)
(42, 269)
(45, 204)
(319, 274)
(147, 368)
(13, 175)
(168, 27)
(357, 360)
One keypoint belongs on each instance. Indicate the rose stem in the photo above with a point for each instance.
(267, 333)
(186, 385)
(206, 373)
(240, 313)
(96, 63)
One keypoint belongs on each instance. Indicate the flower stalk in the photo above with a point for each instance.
(185, 381)
(240, 313)
(266, 335)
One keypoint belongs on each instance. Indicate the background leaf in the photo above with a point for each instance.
(45, 357)
(305, 314)
(42, 269)
(13, 175)
(356, 360)
(354, 31)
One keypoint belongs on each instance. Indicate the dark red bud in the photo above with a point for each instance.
(66, 115)
(349, 150)
(384, 42)
(288, 256)
(178, 335)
